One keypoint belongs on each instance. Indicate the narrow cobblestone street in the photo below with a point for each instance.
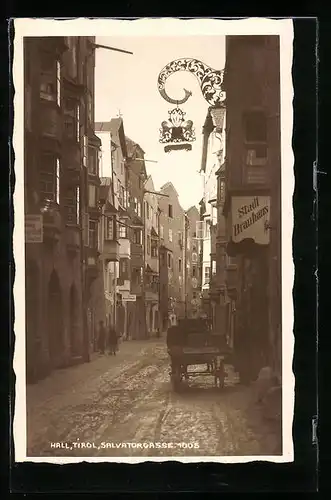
(129, 399)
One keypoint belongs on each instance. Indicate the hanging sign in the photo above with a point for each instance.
(33, 228)
(250, 219)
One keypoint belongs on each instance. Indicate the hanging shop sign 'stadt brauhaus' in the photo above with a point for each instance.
(250, 219)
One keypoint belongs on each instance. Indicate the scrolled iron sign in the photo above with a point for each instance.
(210, 80)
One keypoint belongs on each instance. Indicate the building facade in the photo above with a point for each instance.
(136, 176)
(172, 229)
(212, 158)
(252, 200)
(61, 199)
(151, 260)
(192, 280)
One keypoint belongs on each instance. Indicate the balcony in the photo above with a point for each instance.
(52, 223)
(111, 251)
(72, 236)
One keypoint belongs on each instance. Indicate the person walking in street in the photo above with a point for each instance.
(101, 337)
(112, 340)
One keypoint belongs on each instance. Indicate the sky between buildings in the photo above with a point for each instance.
(127, 84)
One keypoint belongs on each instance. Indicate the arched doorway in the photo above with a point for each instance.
(73, 315)
(55, 321)
(32, 297)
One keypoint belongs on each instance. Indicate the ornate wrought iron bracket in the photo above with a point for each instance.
(210, 80)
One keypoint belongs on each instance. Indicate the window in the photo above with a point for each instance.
(161, 232)
(50, 177)
(188, 243)
(91, 195)
(180, 238)
(207, 228)
(77, 205)
(137, 236)
(221, 189)
(213, 267)
(139, 209)
(48, 79)
(170, 235)
(207, 274)
(92, 161)
(170, 214)
(86, 229)
(85, 151)
(180, 265)
(169, 261)
(72, 205)
(255, 124)
(122, 228)
(57, 175)
(194, 271)
(200, 229)
(147, 211)
(148, 244)
(194, 295)
(93, 234)
(124, 269)
(110, 228)
(89, 107)
(257, 154)
(136, 276)
(194, 257)
(58, 83)
(230, 261)
(78, 123)
(71, 118)
(154, 246)
(72, 55)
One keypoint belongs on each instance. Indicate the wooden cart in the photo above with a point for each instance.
(210, 358)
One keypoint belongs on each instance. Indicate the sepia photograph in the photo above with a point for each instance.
(153, 240)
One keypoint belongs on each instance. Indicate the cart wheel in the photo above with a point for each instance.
(176, 379)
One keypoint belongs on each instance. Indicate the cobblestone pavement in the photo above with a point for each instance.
(93, 409)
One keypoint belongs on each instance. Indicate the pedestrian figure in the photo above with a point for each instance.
(101, 337)
(112, 340)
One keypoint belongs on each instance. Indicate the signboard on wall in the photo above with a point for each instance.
(33, 228)
(250, 216)
(129, 298)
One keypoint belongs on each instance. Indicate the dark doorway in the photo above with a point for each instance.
(32, 321)
(55, 321)
(73, 314)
